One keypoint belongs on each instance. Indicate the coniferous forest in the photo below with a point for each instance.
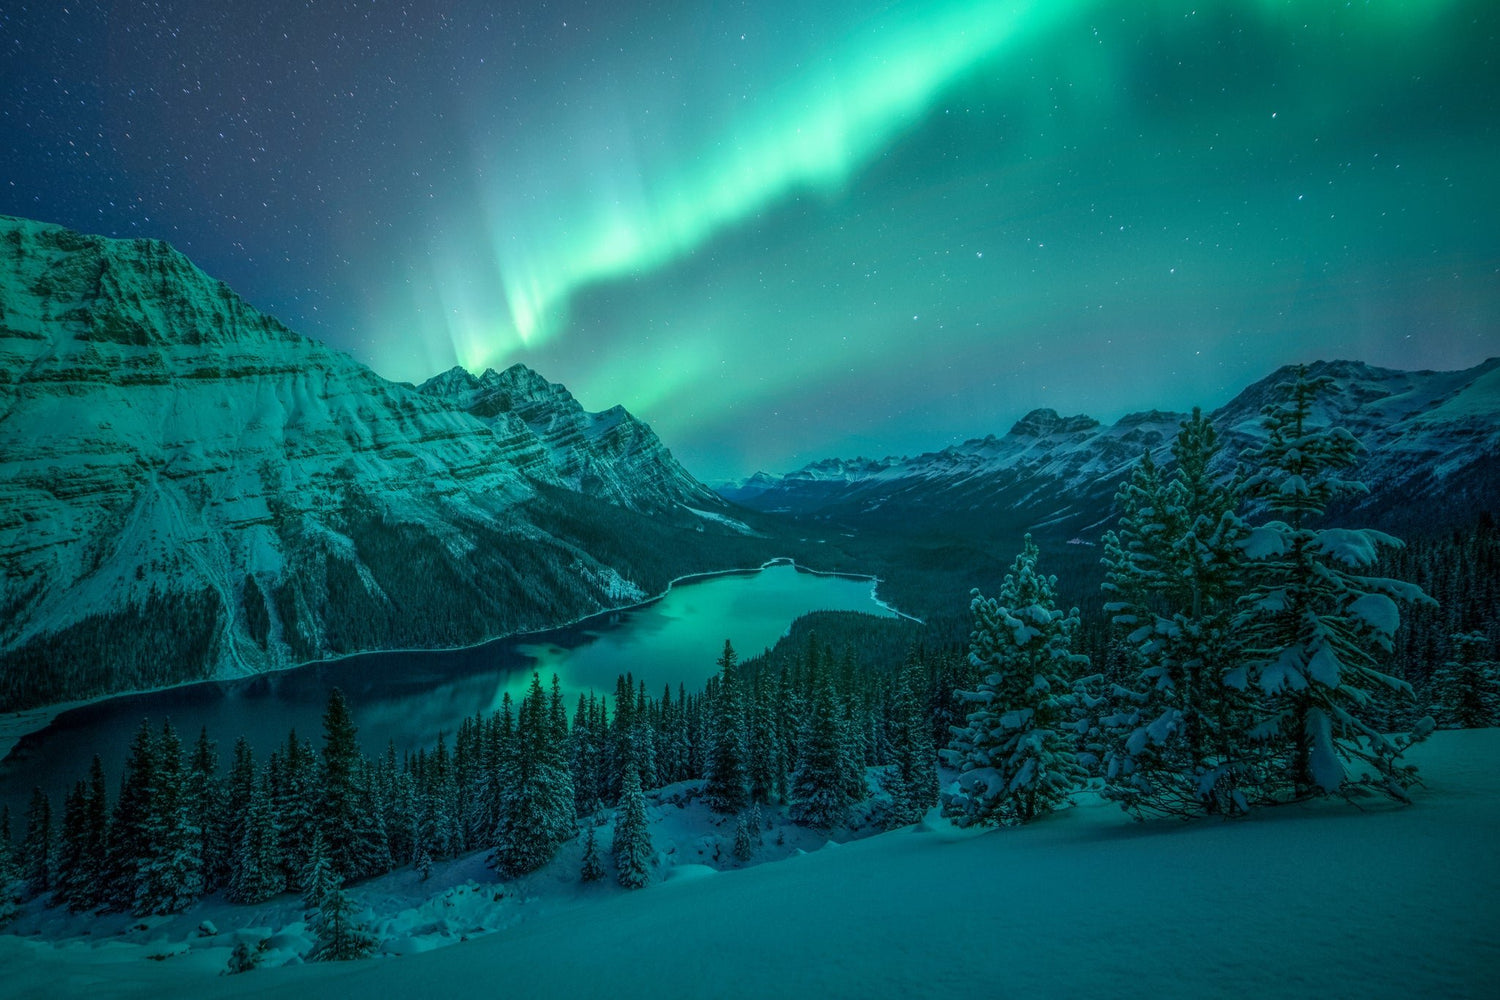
(1252, 656)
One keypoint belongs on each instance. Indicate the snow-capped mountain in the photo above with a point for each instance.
(190, 489)
(1428, 435)
(610, 454)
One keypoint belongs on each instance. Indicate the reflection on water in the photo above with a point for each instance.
(410, 697)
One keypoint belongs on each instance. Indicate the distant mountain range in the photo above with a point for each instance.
(1431, 457)
(189, 489)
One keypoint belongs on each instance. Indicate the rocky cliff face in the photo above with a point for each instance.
(610, 455)
(1430, 438)
(189, 489)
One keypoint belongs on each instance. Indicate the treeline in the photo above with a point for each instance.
(517, 783)
(1249, 649)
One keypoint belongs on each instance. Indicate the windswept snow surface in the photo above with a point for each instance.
(1320, 900)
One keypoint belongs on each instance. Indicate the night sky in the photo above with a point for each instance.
(783, 230)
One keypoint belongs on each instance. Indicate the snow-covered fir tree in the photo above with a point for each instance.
(1466, 688)
(744, 844)
(632, 843)
(10, 871)
(127, 826)
(338, 813)
(318, 878)
(726, 787)
(338, 933)
(205, 809)
(37, 847)
(170, 875)
(293, 801)
(255, 867)
(591, 869)
(765, 767)
(537, 810)
(1015, 759)
(911, 780)
(83, 854)
(1173, 571)
(819, 791)
(1313, 623)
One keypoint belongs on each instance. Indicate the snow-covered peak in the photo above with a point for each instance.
(222, 495)
(1414, 425)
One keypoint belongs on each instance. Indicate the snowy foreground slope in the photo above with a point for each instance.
(1320, 900)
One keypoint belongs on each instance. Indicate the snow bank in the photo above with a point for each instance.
(1318, 900)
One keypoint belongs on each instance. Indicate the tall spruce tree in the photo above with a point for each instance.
(819, 795)
(1466, 688)
(1313, 623)
(206, 811)
(1014, 757)
(590, 869)
(1173, 571)
(338, 816)
(37, 847)
(726, 788)
(127, 827)
(70, 881)
(170, 874)
(632, 843)
(255, 872)
(912, 780)
(536, 809)
(317, 879)
(293, 801)
(10, 871)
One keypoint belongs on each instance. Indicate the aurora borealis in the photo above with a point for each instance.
(779, 231)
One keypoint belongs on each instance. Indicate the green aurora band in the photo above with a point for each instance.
(632, 184)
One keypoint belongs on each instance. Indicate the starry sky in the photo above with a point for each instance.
(780, 230)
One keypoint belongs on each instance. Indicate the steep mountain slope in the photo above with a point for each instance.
(1433, 435)
(189, 489)
(611, 455)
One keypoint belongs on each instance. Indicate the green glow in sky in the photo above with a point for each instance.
(834, 224)
(808, 131)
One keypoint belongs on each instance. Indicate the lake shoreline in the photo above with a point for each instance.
(16, 726)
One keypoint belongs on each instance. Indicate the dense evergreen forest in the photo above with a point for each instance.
(1239, 653)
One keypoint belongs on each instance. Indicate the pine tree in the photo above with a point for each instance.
(1014, 758)
(537, 807)
(170, 875)
(726, 788)
(911, 781)
(293, 799)
(80, 857)
(37, 847)
(339, 936)
(255, 874)
(318, 879)
(206, 812)
(1313, 625)
(819, 794)
(591, 869)
(765, 770)
(1466, 688)
(744, 847)
(10, 871)
(1173, 571)
(632, 844)
(127, 827)
(338, 816)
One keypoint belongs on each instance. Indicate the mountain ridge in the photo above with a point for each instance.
(189, 489)
(1417, 427)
